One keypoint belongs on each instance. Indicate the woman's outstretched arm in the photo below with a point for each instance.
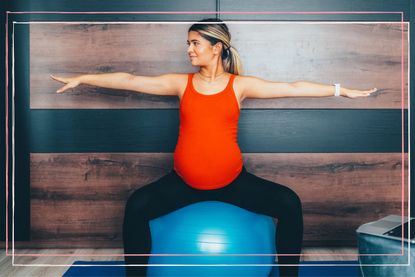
(253, 87)
(166, 84)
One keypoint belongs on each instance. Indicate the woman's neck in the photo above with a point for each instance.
(212, 72)
(212, 77)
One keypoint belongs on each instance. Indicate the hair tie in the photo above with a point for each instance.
(226, 52)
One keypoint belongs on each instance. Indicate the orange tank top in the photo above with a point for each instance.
(207, 155)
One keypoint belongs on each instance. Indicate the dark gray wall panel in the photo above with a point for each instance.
(21, 124)
(114, 7)
(314, 6)
(304, 131)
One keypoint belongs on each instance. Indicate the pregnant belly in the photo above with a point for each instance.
(208, 167)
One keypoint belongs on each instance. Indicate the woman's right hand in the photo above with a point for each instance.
(70, 82)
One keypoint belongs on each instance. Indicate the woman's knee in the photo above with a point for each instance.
(296, 200)
(139, 201)
(291, 201)
(146, 199)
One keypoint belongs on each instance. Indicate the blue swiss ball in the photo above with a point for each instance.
(212, 227)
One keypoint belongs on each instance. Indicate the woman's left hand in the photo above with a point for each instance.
(353, 93)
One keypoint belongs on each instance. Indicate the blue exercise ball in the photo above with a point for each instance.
(216, 230)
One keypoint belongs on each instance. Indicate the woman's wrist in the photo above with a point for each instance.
(337, 89)
(82, 79)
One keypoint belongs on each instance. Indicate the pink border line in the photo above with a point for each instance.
(185, 255)
(403, 139)
(181, 12)
(7, 133)
(144, 12)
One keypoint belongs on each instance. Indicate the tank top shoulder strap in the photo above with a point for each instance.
(230, 83)
(229, 86)
(189, 79)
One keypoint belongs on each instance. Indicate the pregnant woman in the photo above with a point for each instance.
(208, 163)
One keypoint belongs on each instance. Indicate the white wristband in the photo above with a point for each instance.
(337, 90)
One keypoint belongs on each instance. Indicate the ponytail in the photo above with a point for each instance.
(232, 61)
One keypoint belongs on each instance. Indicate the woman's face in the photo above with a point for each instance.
(199, 49)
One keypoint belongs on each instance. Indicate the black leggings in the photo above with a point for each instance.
(247, 191)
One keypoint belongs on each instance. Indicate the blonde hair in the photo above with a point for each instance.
(215, 32)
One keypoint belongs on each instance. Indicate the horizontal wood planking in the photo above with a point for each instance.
(357, 55)
(81, 197)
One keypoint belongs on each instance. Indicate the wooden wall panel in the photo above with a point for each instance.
(357, 55)
(81, 197)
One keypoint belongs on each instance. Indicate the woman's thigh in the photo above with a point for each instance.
(166, 194)
(262, 196)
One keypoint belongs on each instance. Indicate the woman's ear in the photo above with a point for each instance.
(217, 48)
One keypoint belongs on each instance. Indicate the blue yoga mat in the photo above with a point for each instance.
(320, 269)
